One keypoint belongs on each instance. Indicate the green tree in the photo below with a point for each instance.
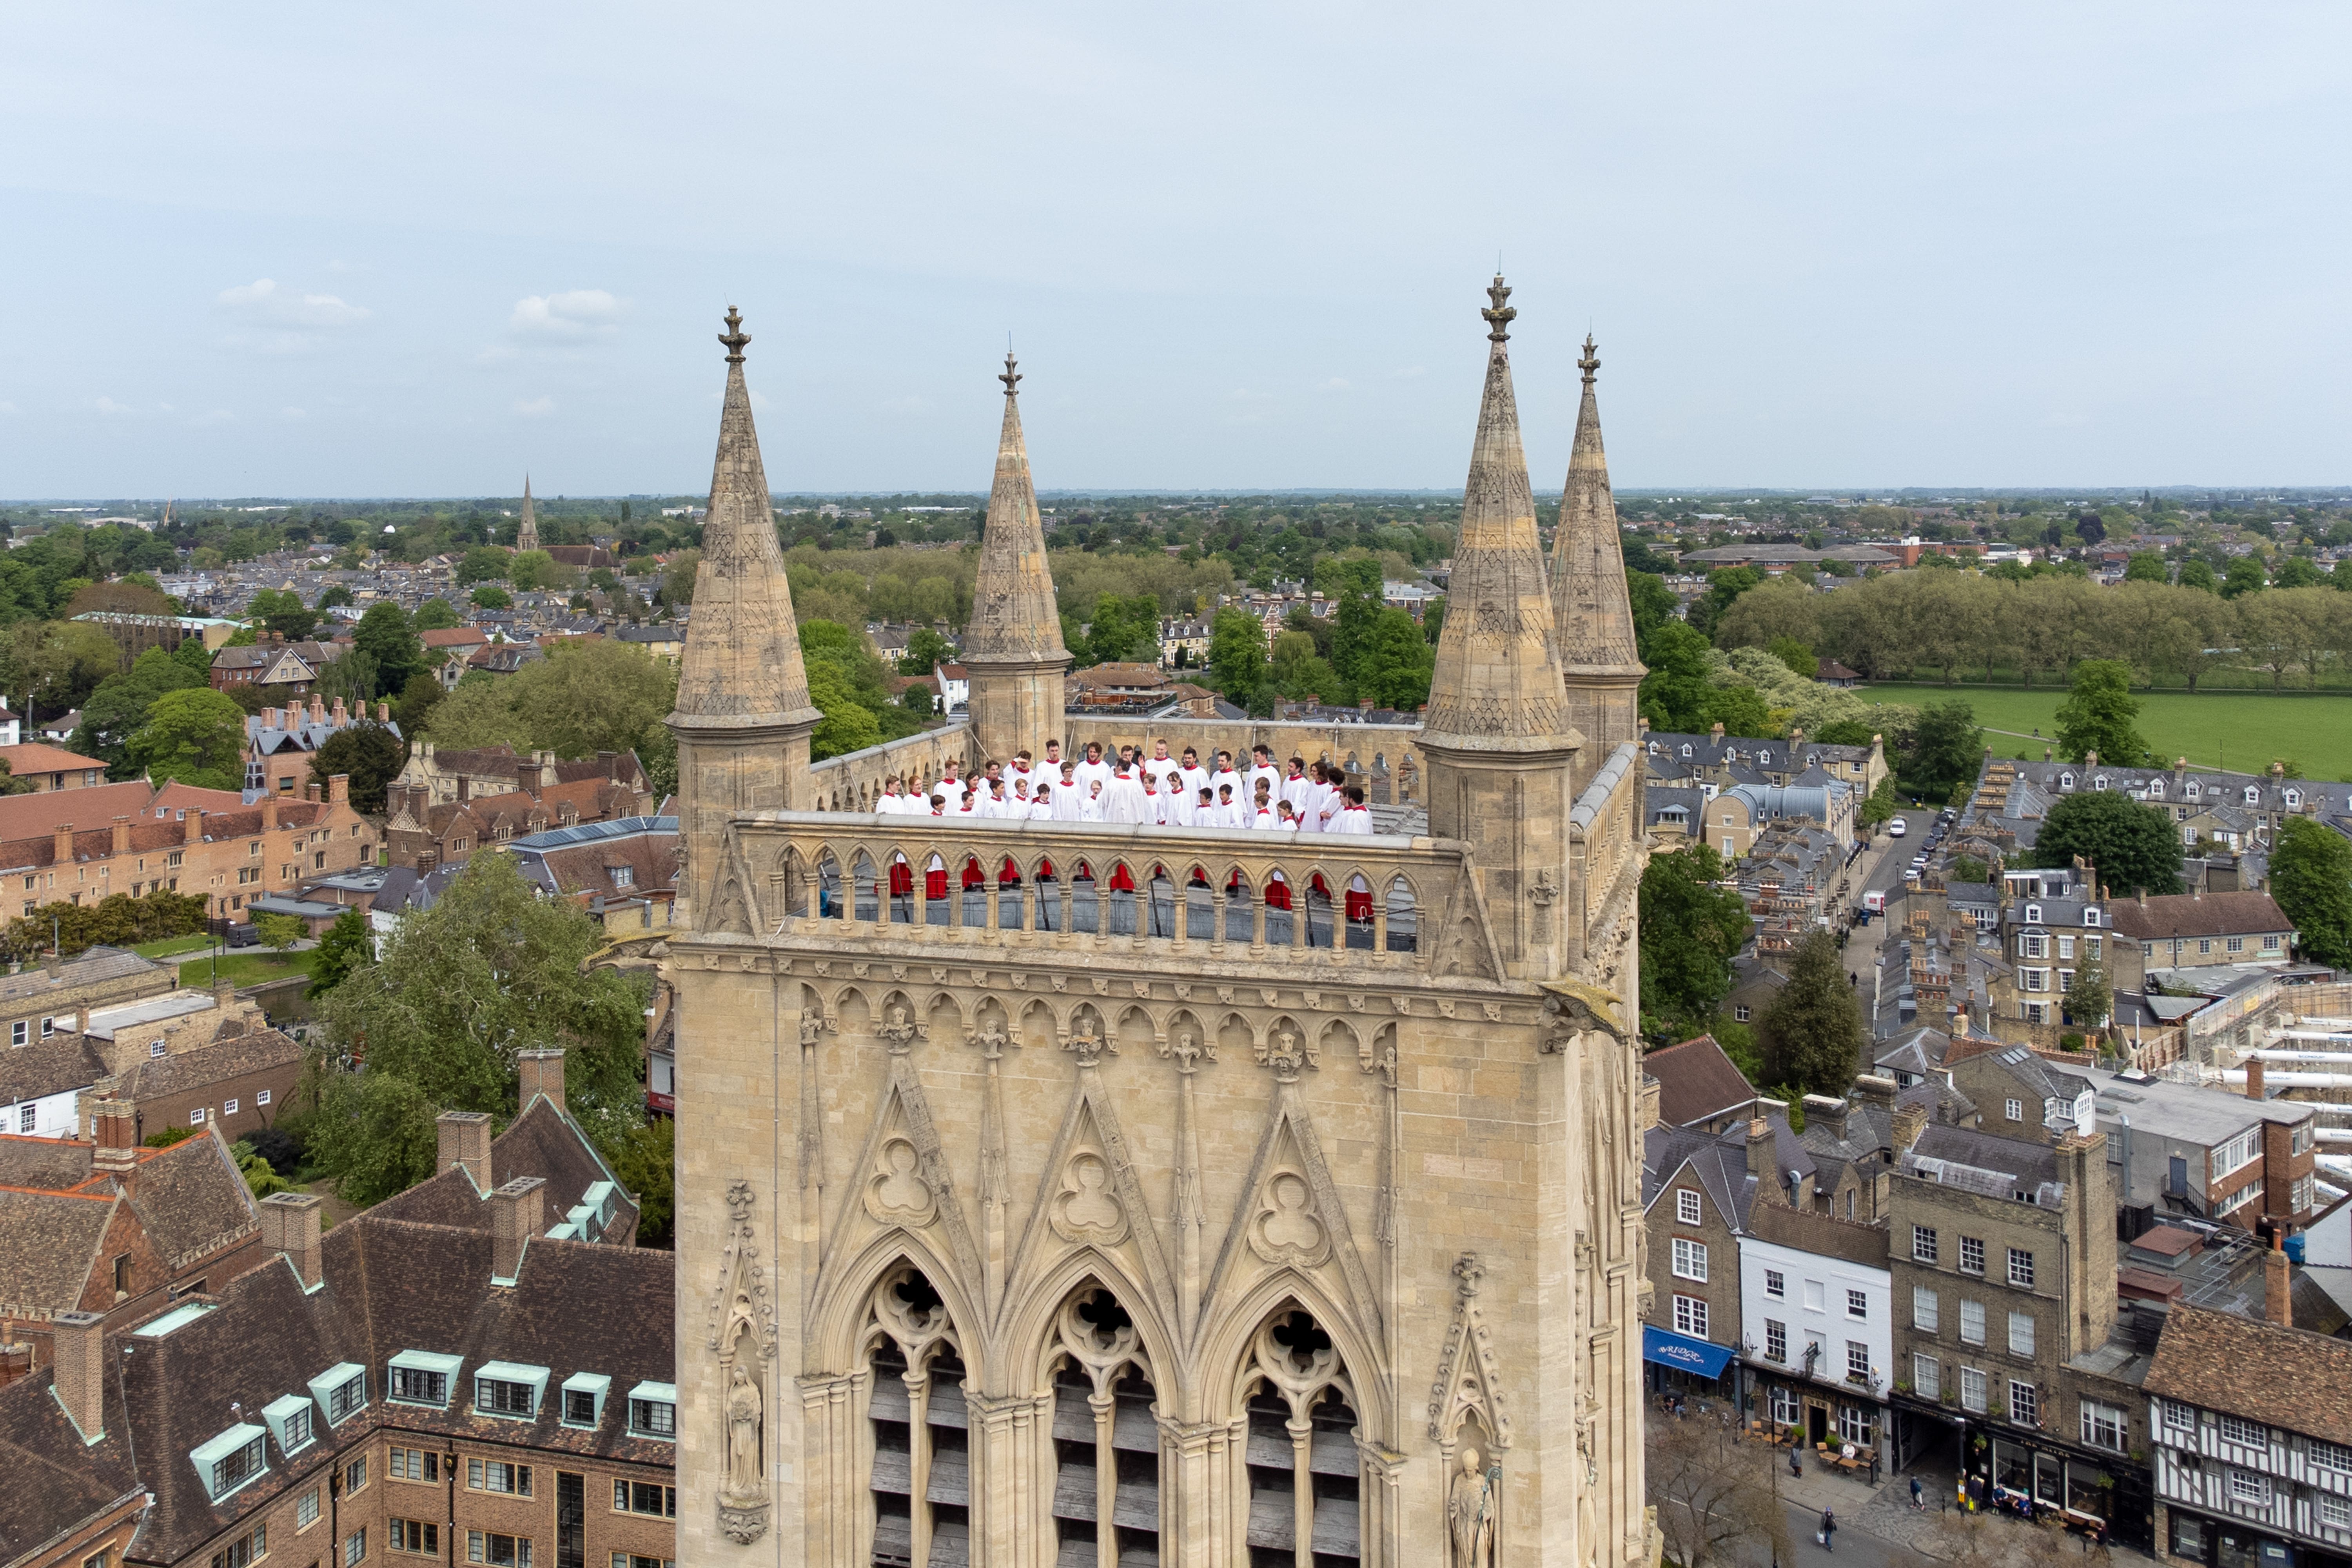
(2146, 566)
(2311, 878)
(414, 709)
(1393, 665)
(2130, 846)
(117, 710)
(343, 948)
(284, 612)
(1237, 661)
(2089, 999)
(847, 725)
(1654, 603)
(2297, 572)
(534, 569)
(372, 1130)
(1690, 928)
(1674, 695)
(1724, 584)
(1801, 660)
(1944, 749)
(386, 635)
(2198, 575)
(1811, 1034)
(195, 736)
(336, 597)
(437, 615)
(489, 596)
(925, 650)
(371, 754)
(1968, 869)
(279, 932)
(482, 564)
(1881, 804)
(2245, 576)
(591, 697)
(1123, 629)
(2097, 715)
(646, 1163)
(490, 970)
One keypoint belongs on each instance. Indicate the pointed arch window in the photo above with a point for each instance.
(1305, 1480)
(920, 1482)
(1105, 1437)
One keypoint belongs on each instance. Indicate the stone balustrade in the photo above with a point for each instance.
(1352, 898)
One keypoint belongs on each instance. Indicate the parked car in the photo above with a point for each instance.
(244, 936)
(1896, 827)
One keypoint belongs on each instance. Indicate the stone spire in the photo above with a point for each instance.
(1496, 736)
(526, 537)
(1588, 603)
(1497, 684)
(743, 714)
(1012, 647)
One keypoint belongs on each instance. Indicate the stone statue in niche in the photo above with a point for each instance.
(744, 1337)
(1470, 1513)
(744, 1470)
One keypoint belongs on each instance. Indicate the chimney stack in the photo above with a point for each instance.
(2254, 1078)
(1826, 1112)
(16, 1362)
(1876, 1090)
(465, 1138)
(339, 789)
(193, 826)
(2278, 1283)
(541, 1073)
(121, 836)
(1910, 1120)
(516, 1210)
(114, 1129)
(77, 1346)
(270, 814)
(62, 847)
(291, 1224)
(1762, 1162)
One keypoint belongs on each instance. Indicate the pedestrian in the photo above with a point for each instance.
(1918, 1499)
(1829, 1531)
(1796, 1463)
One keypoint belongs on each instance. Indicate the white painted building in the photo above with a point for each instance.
(1817, 1319)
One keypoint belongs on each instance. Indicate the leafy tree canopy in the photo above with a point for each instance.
(2097, 715)
(2311, 878)
(196, 736)
(371, 754)
(1812, 1033)
(1690, 929)
(2129, 845)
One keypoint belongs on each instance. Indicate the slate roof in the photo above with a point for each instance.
(1720, 1165)
(248, 1051)
(389, 1286)
(543, 1141)
(2243, 1366)
(1696, 1081)
(54, 1066)
(93, 965)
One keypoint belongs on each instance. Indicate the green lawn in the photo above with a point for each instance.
(247, 967)
(2217, 730)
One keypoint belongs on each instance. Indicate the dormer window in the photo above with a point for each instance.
(2033, 914)
(2100, 782)
(2294, 800)
(341, 1391)
(289, 1422)
(2090, 917)
(1763, 759)
(2253, 795)
(2190, 790)
(1686, 748)
(584, 1398)
(2065, 781)
(2156, 789)
(236, 1459)
(422, 1377)
(653, 1411)
(503, 1388)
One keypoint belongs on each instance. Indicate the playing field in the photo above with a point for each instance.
(2227, 731)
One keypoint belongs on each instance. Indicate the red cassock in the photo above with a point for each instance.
(973, 877)
(1277, 893)
(902, 879)
(1360, 906)
(1010, 873)
(935, 883)
(1316, 881)
(1120, 882)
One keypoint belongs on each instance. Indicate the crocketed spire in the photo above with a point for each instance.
(1013, 613)
(526, 537)
(1497, 684)
(741, 667)
(1588, 603)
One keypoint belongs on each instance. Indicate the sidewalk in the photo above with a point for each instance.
(1886, 1515)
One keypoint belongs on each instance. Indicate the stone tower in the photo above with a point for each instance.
(1497, 734)
(527, 535)
(743, 715)
(1012, 647)
(1129, 1195)
(1589, 602)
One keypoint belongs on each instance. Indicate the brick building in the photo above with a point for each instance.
(446, 804)
(192, 1058)
(2192, 930)
(228, 857)
(49, 768)
(280, 742)
(103, 1226)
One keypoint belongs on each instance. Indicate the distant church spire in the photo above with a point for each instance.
(1012, 647)
(1593, 615)
(526, 537)
(1498, 683)
(743, 713)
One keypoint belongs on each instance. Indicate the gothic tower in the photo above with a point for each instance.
(743, 715)
(1497, 734)
(526, 536)
(1013, 648)
(1589, 603)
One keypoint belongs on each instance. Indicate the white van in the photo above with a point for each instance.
(1896, 827)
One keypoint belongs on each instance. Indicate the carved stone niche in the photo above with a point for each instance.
(742, 1339)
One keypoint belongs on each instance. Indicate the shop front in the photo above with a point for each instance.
(2027, 1471)
(2235, 1543)
(1843, 1418)
(1682, 1366)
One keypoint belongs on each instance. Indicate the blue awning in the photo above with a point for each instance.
(1683, 1352)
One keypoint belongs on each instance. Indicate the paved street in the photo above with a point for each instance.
(1881, 870)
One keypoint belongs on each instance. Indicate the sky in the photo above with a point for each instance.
(417, 249)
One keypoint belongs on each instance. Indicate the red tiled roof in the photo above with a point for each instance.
(454, 636)
(1696, 1080)
(2287, 1377)
(2194, 915)
(33, 757)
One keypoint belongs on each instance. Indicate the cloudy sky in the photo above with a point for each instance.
(410, 249)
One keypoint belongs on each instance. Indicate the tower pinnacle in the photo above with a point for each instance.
(734, 337)
(526, 536)
(1013, 647)
(1591, 607)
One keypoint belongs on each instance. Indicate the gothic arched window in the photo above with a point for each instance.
(920, 1482)
(1305, 1495)
(1106, 1438)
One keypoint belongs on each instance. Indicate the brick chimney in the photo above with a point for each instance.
(16, 1362)
(2254, 1077)
(290, 1223)
(516, 1211)
(224, 994)
(311, 793)
(1910, 1120)
(1827, 1112)
(269, 814)
(1763, 1164)
(114, 1129)
(543, 1073)
(1876, 1091)
(383, 712)
(61, 849)
(78, 1350)
(465, 1141)
(122, 844)
(340, 717)
(339, 789)
(193, 826)
(2278, 1283)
